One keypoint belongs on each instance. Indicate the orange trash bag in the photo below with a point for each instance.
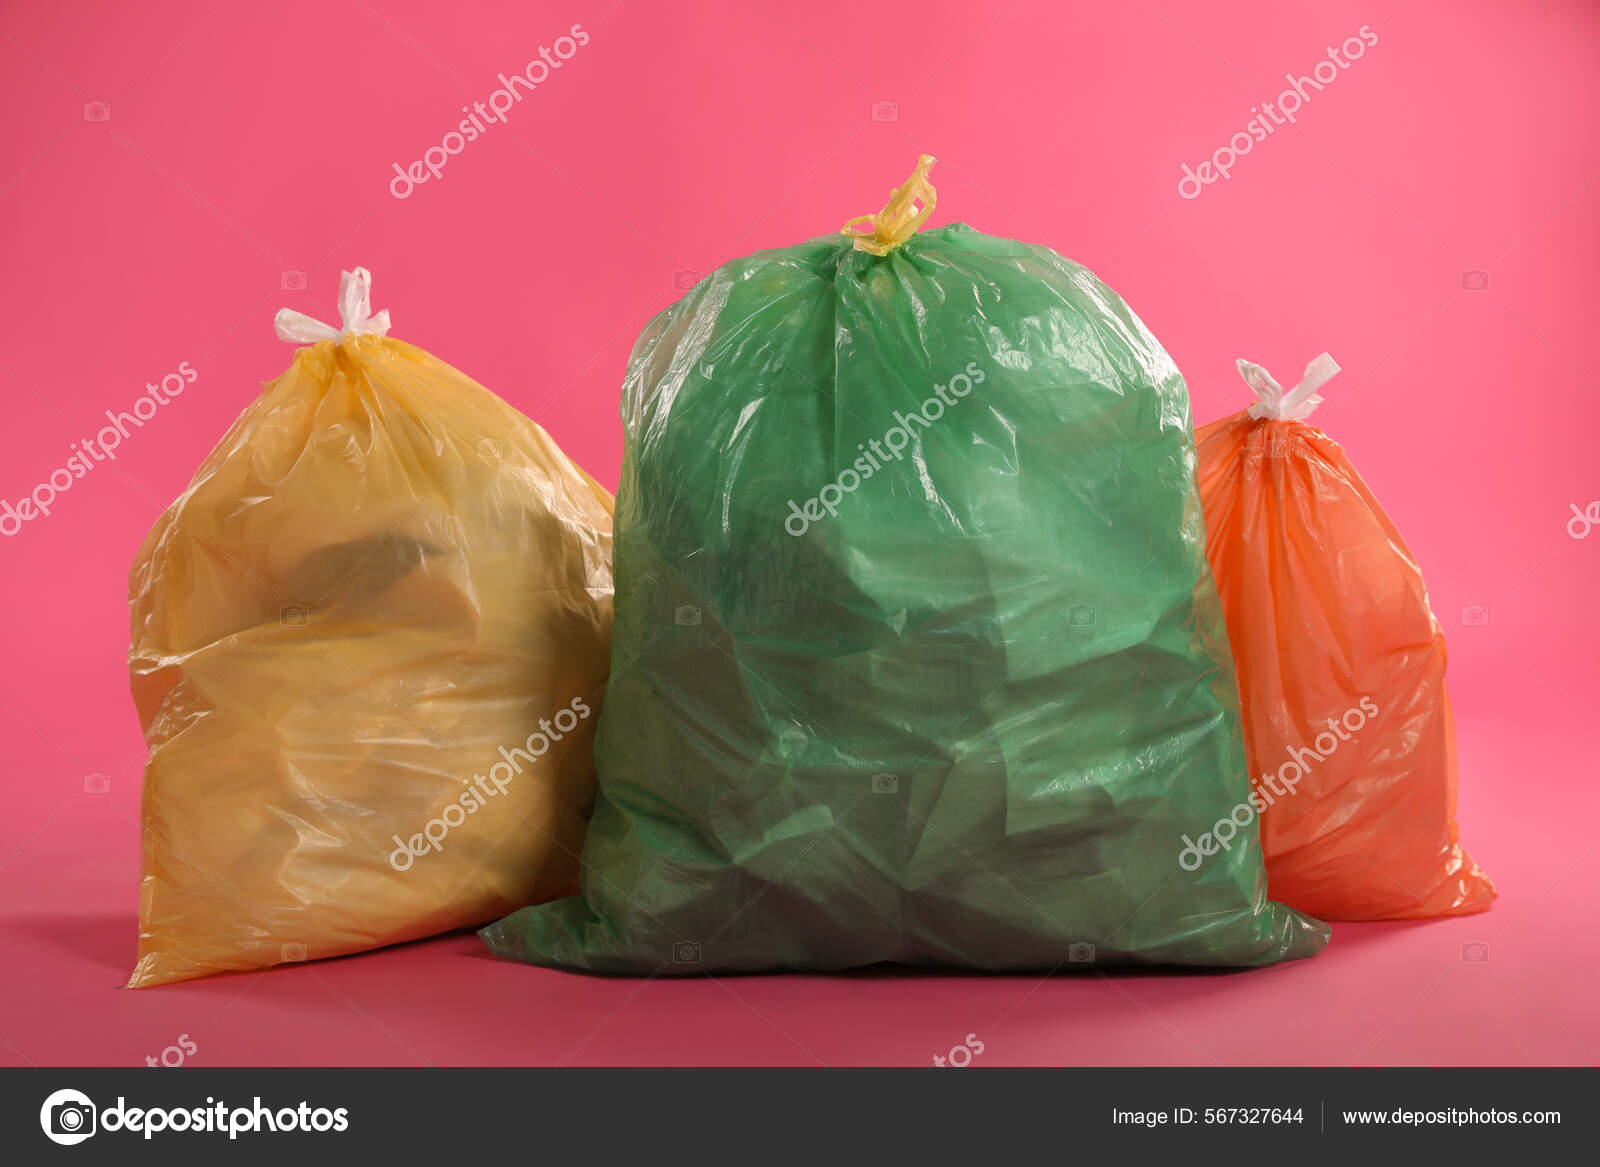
(368, 646)
(1341, 664)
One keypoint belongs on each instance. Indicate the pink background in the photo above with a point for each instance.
(246, 140)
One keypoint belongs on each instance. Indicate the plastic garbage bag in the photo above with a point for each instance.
(368, 645)
(1341, 667)
(917, 657)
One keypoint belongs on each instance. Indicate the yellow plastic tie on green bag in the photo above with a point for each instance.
(900, 218)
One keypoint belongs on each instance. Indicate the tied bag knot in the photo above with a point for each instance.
(355, 314)
(900, 218)
(1298, 403)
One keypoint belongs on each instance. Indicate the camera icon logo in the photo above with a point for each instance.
(292, 953)
(684, 280)
(886, 111)
(1081, 952)
(1475, 616)
(1476, 952)
(886, 784)
(491, 449)
(97, 783)
(68, 1117)
(1475, 280)
(686, 952)
(292, 615)
(97, 111)
(686, 616)
(1081, 615)
(293, 281)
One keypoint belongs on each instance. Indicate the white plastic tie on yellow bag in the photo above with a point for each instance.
(1298, 403)
(355, 313)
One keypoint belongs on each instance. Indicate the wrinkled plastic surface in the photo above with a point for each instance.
(1329, 620)
(965, 720)
(380, 577)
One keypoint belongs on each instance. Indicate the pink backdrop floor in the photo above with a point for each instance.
(172, 173)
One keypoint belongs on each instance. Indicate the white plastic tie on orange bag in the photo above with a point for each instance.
(355, 313)
(1298, 403)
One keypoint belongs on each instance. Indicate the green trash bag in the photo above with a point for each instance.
(917, 657)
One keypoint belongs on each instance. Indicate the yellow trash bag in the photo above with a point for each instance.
(369, 643)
